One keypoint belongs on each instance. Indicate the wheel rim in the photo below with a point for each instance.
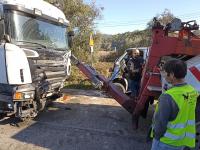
(120, 87)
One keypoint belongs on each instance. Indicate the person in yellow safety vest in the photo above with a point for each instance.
(173, 126)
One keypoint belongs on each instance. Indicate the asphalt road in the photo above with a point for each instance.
(84, 120)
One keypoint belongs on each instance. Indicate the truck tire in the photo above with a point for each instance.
(120, 87)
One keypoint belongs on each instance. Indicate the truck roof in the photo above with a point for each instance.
(45, 7)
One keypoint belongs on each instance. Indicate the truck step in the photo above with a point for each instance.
(55, 85)
(53, 69)
(50, 74)
(55, 80)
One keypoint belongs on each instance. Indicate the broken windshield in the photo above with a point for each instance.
(27, 28)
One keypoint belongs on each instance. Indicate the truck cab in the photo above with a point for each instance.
(34, 55)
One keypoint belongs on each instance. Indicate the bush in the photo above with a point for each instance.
(78, 80)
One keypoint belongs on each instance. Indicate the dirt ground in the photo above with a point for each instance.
(84, 120)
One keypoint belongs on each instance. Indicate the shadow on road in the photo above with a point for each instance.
(94, 93)
(84, 127)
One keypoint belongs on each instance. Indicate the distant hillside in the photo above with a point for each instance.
(126, 40)
(129, 39)
(107, 36)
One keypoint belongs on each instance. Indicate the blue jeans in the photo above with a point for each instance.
(157, 145)
(133, 86)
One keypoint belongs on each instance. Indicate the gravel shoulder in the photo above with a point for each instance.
(83, 120)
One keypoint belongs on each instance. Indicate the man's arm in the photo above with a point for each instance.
(167, 111)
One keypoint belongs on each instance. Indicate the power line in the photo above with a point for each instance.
(123, 22)
(143, 22)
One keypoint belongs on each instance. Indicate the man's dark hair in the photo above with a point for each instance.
(177, 67)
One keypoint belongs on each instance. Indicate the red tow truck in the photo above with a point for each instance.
(175, 40)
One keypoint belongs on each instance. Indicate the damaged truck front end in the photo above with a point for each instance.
(18, 101)
(34, 56)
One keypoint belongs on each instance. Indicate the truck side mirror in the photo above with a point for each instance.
(70, 38)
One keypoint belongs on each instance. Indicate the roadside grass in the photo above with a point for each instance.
(78, 80)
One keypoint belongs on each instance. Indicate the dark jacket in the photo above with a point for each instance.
(134, 68)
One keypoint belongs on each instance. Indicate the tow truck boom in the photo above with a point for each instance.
(101, 82)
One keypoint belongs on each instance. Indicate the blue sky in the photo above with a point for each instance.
(120, 16)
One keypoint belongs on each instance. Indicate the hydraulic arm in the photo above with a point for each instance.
(103, 83)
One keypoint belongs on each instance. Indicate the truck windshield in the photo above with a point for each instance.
(29, 29)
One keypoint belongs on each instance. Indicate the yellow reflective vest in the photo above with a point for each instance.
(182, 130)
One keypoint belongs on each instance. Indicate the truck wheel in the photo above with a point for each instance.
(41, 105)
(120, 87)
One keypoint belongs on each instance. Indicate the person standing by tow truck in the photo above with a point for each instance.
(134, 70)
(173, 126)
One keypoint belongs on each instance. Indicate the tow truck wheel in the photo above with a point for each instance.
(120, 87)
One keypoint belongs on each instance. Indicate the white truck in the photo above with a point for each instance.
(34, 55)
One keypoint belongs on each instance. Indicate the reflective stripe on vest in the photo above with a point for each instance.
(181, 125)
(180, 137)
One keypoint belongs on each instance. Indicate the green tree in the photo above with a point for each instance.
(164, 18)
(81, 17)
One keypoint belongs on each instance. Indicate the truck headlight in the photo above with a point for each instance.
(23, 95)
(18, 96)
